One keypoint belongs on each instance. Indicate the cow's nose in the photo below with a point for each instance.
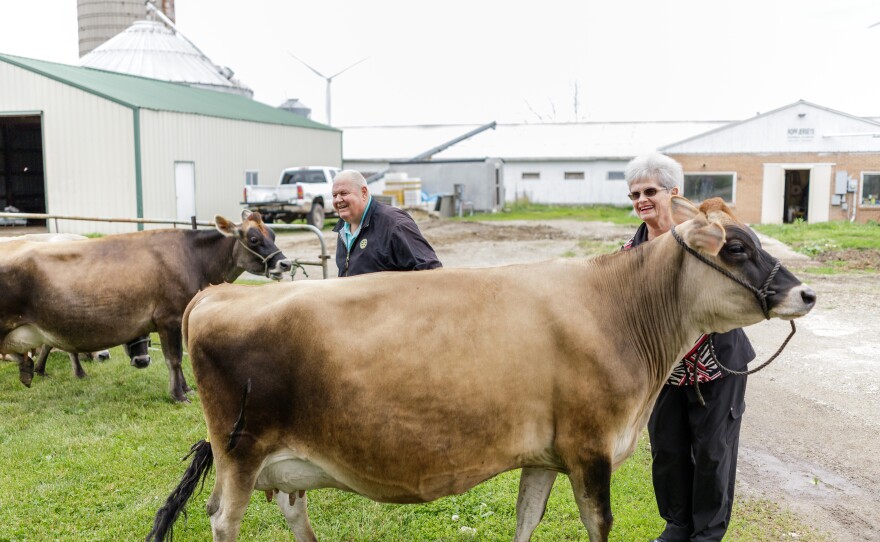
(808, 296)
(141, 362)
(285, 265)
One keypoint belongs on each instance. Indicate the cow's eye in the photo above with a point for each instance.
(254, 240)
(735, 247)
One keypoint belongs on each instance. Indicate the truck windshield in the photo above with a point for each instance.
(293, 177)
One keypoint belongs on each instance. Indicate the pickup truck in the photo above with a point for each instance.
(302, 192)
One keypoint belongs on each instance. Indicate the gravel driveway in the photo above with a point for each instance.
(811, 434)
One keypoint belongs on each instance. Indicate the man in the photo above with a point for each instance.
(374, 236)
(693, 447)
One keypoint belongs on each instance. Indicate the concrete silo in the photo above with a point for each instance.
(100, 20)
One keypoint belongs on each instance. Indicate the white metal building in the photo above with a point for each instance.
(801, 161)
(85, 142)
(562, 163)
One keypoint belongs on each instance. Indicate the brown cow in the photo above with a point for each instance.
(83, 296)
(421, 385)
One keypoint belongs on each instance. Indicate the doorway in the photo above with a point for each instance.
(185, 190)
(22, 182)
(796, 198)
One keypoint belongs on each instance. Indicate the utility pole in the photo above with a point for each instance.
(328, 79)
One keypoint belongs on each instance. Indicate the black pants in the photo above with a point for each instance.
(694, 453)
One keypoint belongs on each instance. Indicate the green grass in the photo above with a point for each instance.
(535, 211)
(93, 459)
(816, 238)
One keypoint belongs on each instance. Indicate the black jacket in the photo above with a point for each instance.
(389, 240)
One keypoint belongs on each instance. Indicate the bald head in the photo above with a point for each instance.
(350, 196)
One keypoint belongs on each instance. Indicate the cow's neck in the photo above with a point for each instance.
(214, 252)
(652, 319)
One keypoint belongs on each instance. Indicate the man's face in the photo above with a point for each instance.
(349, 200)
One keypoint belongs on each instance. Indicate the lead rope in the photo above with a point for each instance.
(761, 295)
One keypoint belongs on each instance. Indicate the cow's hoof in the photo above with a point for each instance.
(180, 398)
(80, 374)
(141, 362)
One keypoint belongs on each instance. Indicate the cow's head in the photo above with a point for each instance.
(138, 351)
(715, 234)
(255, 250)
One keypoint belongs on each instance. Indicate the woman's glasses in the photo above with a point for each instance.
(649, 193)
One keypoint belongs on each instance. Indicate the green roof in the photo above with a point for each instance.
(143, 93)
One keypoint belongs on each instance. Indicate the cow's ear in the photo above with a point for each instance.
(225, 226)
(682, 209)
(707, 237)
(245, 214)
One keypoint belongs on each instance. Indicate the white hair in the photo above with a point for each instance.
(352, 176)
(660, 167)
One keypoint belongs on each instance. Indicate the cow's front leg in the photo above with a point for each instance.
(172, 348)
(294, 506)
(534, 490)
(591, 482)
(25, 368)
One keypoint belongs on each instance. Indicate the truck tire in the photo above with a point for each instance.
(316, 215)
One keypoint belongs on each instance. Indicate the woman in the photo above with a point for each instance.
(693, 447)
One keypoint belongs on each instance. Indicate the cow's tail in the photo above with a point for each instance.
(163, 525)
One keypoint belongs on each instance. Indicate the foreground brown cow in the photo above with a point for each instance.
(83, 296)
(421, 385)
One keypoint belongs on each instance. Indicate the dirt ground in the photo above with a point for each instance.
(811, 434)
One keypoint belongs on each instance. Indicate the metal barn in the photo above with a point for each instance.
(85, 142)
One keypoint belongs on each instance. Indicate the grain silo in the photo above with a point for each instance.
(100, 20)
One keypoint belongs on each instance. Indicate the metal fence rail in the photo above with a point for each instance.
(193, 223)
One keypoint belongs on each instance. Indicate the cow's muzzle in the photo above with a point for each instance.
(141, 362)
(281, 267)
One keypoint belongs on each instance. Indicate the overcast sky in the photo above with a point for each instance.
(478, 61)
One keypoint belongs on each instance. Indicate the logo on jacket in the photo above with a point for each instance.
(363, 244)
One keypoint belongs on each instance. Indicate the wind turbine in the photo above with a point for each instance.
(328, 79)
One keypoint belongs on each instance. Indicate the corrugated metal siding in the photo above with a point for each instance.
(222, 151)
(88, 148)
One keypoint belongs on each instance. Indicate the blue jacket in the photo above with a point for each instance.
(389, 240)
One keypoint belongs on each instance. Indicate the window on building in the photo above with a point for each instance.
(531, 176)
(702, 186)
(251, 177)
(574, 175)
(870, 188)
(615, 176)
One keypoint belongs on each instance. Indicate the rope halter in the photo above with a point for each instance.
(264, 261)
(761, 294)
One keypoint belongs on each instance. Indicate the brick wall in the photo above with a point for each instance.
(749, 170)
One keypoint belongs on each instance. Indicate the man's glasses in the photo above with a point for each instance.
(649, 193)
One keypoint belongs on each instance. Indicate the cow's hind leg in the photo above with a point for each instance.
(229, 500)
(40, 367)
(294, 506)
(591, 483)
(534, 490)
(76, 365)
